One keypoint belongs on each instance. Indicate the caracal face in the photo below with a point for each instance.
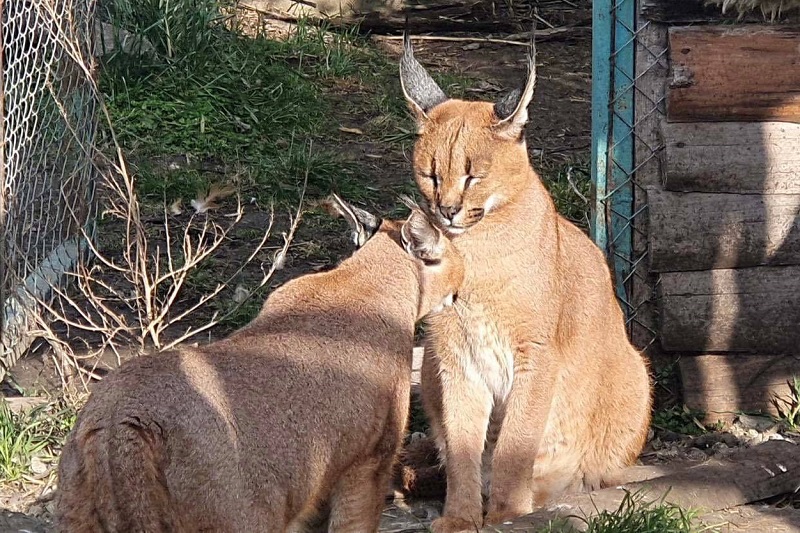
(470, 158)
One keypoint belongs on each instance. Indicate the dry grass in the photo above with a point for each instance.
(771, 9)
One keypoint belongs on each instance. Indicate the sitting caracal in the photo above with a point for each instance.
(302, 409)
(533, 358)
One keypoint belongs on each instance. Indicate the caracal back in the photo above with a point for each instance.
(298, 414)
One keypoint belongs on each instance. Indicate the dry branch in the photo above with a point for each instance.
(541, 35)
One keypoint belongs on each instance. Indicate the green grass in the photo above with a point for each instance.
(240, 102)
(393, 123)
(788, 406)
(237, 316)
(328, 54)
(261, 113)
(634, 515)
(36, 434)
(180, 31)
(570, 187)
(211, 94)
(251, 112)
(679, 419)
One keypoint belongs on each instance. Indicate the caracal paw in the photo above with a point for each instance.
(449, 524)
(495, 518)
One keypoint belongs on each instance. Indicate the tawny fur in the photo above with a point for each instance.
(536, 341)
(302, 409)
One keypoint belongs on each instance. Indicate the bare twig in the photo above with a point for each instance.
(131, 297)
(488, 40)
(543, 21)
(540, 35)
(572, 184)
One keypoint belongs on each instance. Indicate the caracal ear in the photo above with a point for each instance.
(512, 109)
(421, 92)
(420, 237)
(363, 224)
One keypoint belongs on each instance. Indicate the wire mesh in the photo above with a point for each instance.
(628, 150)
(47, 113)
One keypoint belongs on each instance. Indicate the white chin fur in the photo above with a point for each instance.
(447, 302)
(490, 204)
(454, 231)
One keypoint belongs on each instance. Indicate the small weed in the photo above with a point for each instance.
(33, 435)
(203, 279)
(156, 185)
(635, 515)
(237, 315)
(453, 84)
(788, 406)
(248, 234)
(679, 419)
(666, 376)
(335, 54)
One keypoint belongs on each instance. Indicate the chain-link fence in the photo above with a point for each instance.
(47, 115)
(629, 73)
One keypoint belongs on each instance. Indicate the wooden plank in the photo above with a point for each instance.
(753, 474)
(729, 73)
(740, 157)
(701, 231)
(652, 66)
(722, 385)
(749, 310)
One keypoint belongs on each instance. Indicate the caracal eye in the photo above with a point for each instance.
(433, 178)
(471, 180)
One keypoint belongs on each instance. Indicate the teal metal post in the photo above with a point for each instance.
(613, 76)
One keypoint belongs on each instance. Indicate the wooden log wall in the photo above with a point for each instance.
(734, 73)
(724, 222)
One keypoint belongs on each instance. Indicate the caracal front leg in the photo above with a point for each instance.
(359, 497)
(527, 410)
(462, 416)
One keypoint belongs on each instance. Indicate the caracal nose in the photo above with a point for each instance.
(449, 211)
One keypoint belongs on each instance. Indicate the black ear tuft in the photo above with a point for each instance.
(507, 104)
(363, 224)
(419, 87)
(512, 109)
